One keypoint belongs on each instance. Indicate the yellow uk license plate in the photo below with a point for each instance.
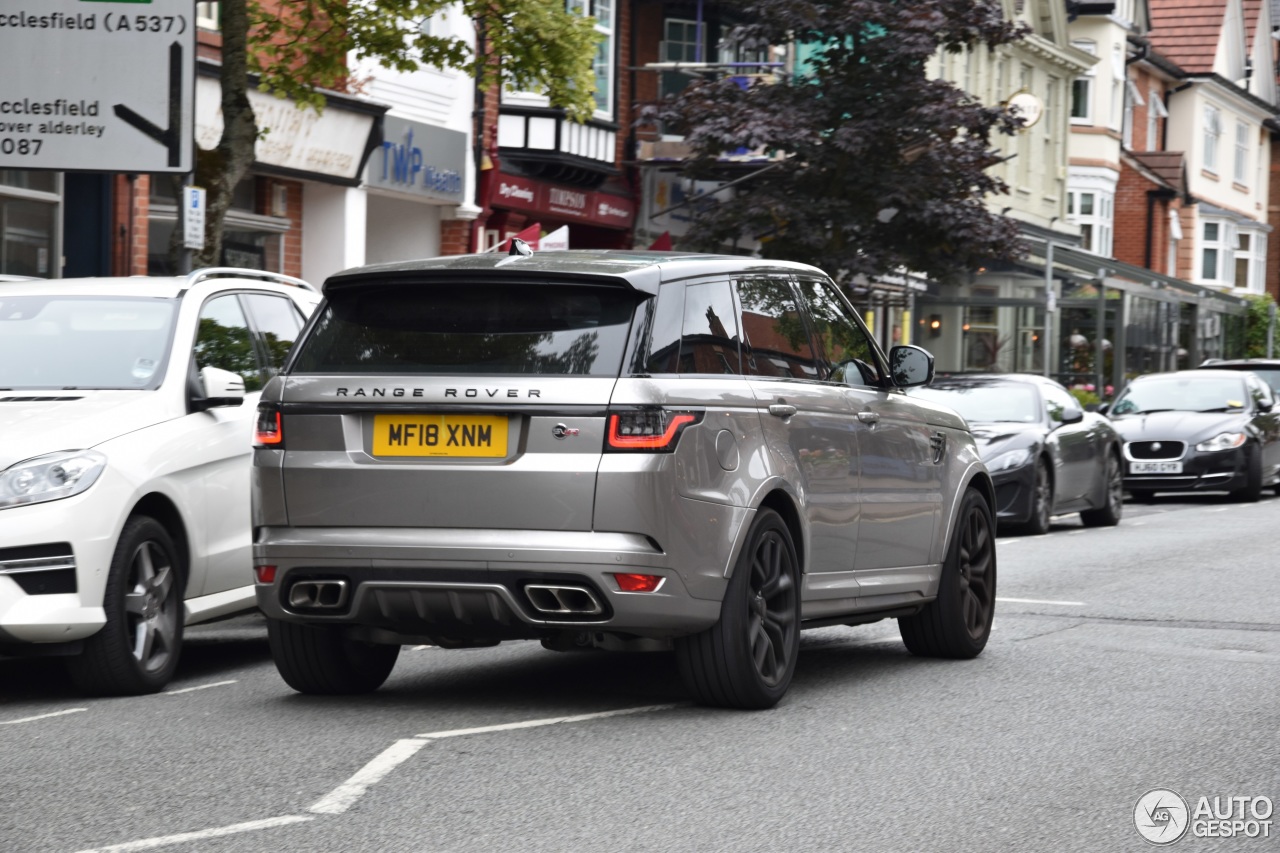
(440, 435)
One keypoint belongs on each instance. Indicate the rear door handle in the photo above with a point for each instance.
(782, 410)
(869, 417)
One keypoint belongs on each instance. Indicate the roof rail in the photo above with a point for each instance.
(203, 273)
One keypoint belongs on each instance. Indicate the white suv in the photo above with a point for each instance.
(126, 407)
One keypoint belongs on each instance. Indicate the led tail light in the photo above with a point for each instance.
(648, 430)
(638, 583)
(269, 431)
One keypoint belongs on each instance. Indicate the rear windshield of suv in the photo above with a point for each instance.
(482, 328)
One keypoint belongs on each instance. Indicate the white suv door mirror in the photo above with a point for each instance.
(220, 387)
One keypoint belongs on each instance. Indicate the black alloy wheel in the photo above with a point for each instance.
(747, 659)
(957, 624)
(137, 651)
(1112, 509)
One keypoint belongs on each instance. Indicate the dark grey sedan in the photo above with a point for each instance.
(1046, 455)
(1199, 430)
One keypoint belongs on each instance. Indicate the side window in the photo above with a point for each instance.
(776, 342)
(664, 334)
(223, 341)
(1260, 393)
(849, 353)
(1056, 402)
(278, 323)
(709, 340)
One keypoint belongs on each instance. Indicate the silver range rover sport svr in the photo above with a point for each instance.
(620, 449)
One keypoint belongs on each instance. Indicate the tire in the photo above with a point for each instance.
(746, 660)
(318, 659)
(1252, 490)
(957, 623)
(1109, 514)
(137, 651)
(1041, 501)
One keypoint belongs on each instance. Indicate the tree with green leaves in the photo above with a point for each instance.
(877, 168)
(296, 48)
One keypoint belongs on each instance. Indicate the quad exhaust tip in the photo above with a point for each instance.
(318, 595)
(563, 600)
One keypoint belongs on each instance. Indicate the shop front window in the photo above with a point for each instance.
(26, 237)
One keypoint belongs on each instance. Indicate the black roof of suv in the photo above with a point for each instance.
(640, 270)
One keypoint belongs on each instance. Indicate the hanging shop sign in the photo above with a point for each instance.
(558, 202)
(419, 160)
(295, 141)
(106, 86)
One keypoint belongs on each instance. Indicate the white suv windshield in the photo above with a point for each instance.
(66, 342)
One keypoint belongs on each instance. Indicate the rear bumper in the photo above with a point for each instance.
(471, 585)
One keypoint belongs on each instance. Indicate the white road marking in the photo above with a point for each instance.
(1077, 532)
(1041, 601)
(550, 721)
(1222, 509)
(166, 840)
(42, 716)
(345, 795)
(199, 687)
(419, 648)
(1007, 541)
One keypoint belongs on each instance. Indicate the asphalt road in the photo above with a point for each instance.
(1123, 660)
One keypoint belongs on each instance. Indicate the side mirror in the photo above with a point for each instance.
(1072, 415)
(910, 366)
(1104, 408)
(220, 387)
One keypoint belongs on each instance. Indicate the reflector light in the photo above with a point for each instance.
(638, 583)
(647, 430)
(266, 574)
(270, 429)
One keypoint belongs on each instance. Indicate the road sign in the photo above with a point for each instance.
(193, 208)
(97, 85)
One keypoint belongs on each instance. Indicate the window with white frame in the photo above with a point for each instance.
(1155, 111)
(1091, 210)
(1214, 240)
(1132, 98)
(1212, 133)
(602, 11)
(1082, 87)
(1175, 235)
(1250, 260)
(1241, 172)
(1118, 81)
(207, 16)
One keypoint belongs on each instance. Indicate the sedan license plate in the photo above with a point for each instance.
(1155, 467)
(440, 435)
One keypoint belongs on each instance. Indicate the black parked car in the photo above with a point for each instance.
(1046, 455)
(1199, 430)
(1267, 368)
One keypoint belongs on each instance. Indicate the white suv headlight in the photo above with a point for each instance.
(1010, 459)
(1224, 441)
(50, 477)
